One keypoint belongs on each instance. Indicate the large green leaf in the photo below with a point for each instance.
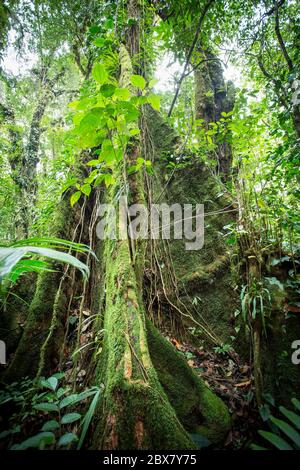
(70, 418)
(50, 425)
(76, 398)
(9, 258)
(287, 430)
(99, 73)
(52, 242)
(296, 403)
(42, 438)
(277, 441)
(293, 417)
(46, 407)
(138, 81)
(67, 439)
(88, 418)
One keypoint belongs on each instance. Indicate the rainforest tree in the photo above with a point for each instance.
(86, 133)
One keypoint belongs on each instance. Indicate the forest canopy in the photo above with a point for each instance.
(149, 224)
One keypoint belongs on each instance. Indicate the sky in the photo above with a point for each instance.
(166, 68)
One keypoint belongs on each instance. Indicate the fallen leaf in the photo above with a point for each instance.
(176, 343)
(243, 384)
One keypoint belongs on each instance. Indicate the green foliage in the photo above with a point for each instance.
(12, 265)
(106, 118)
(224, 349)
(255, 301)
(49, 404)
(284, 435)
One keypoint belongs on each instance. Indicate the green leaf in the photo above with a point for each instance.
(70, 418)
(53, 382)
(296, 403)
(107, 90)
(99, 42)
(93, 162)
(52, 242)
(109, 180)
(76, 398)
(50, 425)
(88, 417)
(154, 101)
(86, 189)
(4, 434)
(153, 82)
(67, 439)
(277, 441)
(122, 93)
(42, 438)
(274, 282)
(99, 180)
(67, 401)
(200, 440)
(287, 430)
(138, 81)
(293, 417)
(134, 132)
(264, 411)
(256, 447)
(60, 256)
(75, 198)
(46, 407)
(99, 73)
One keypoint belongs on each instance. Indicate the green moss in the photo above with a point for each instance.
(134, 411)
(198, 409)
(141, 407)
(205, 273)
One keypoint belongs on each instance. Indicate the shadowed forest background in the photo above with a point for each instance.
(142, 344)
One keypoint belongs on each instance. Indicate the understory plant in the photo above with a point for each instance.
(284, 433)
(20, 257)
(51, 408)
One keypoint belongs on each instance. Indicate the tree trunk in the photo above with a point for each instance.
(138, 405)
(212, 97)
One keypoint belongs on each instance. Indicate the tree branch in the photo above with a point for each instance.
(281, 41)
(272, 79)
(189, 55)
(78, 59)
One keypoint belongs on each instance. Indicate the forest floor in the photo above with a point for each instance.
(232, 380)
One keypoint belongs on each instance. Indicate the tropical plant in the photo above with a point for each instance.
(12, 264)
(284, 434)
(50, 406)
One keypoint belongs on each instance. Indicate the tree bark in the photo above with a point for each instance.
(138, 405)
(212, 97)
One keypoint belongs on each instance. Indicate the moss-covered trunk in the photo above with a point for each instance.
(143, 375)
(151, 396)
(212, 98)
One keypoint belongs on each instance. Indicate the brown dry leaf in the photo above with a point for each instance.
(292, 308)
(83, 339)
(243, 384)
(176, 343)
(191, 363)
